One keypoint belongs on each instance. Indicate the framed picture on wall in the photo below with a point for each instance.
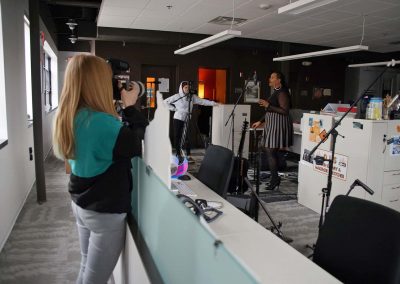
(252, 92)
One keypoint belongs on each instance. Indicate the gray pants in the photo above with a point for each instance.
(101, 237)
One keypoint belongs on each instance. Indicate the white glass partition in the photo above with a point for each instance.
(182, 247)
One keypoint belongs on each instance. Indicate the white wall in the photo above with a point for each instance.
(17, 173)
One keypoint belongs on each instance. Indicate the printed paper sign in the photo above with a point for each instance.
(395, 146)
(340, 164)
(163, 87)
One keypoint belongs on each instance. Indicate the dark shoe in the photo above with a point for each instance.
(273, 184)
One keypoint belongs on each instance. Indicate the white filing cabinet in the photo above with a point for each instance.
(368, 156)
(222, 135)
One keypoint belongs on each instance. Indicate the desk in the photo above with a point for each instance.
(268, 256)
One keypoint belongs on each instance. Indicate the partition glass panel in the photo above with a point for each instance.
(184, 249)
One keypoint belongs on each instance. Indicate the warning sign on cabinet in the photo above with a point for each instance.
(340, 164)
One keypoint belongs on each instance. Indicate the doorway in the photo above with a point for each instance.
(156, 78)
(212, 84)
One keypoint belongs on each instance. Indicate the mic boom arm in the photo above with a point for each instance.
(363, 185)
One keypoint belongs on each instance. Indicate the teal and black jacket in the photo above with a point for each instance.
(101, 178)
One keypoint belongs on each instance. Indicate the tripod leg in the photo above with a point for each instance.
(276, 230)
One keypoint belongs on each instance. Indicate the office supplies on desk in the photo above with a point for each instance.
(182, 188)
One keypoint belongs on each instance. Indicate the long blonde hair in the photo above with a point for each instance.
(87, 83)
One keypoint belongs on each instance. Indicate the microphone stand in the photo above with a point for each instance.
(274, 228)
(257, 164)
(185, 127)
(233, 115)
(326, 192)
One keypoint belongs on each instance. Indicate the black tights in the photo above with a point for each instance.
(272, 159)
(178, 131)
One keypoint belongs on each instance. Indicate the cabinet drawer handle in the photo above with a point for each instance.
(396, 174)
(394, 200)
(396, 187)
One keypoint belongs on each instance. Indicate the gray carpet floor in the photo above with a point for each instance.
(43, 246)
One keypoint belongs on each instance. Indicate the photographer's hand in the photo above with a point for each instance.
(130, 97)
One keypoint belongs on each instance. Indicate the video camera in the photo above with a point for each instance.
(121, 78)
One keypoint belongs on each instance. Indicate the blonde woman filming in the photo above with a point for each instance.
(98, 147)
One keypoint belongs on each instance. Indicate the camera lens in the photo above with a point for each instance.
(140, 85)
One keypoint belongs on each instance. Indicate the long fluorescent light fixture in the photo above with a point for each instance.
(383, 63)
(222, 36)
(323, 52)
(302, 6)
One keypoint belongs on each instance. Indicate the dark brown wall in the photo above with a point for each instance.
(325, 72)
(233, 60)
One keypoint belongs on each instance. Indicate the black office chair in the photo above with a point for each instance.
(216, 169)
(360, 242)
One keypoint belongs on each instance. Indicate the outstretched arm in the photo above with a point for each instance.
(204, 102)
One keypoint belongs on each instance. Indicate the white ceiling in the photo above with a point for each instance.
(336, 25)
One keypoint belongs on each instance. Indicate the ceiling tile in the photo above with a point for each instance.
(337, 23)
(114, 21)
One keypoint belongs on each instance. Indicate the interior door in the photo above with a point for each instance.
(151, 74)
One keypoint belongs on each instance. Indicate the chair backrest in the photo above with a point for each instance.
(360, 242)
(216, 169)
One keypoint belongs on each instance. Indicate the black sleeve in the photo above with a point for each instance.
(284, 104)
(131, 134)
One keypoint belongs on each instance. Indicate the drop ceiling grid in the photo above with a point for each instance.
(194, 16)
(366, 6)
(334, 23)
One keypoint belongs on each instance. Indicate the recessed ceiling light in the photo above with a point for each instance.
(264, 6)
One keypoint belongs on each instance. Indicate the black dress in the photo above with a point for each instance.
(278, 129)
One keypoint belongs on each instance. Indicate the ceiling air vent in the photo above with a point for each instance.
(227, 21)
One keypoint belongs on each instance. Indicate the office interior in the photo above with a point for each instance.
(36, 43)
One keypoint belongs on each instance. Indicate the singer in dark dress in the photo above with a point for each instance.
(278, 126)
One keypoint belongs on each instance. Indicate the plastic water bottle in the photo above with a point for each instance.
(368, 112)
(378, 109)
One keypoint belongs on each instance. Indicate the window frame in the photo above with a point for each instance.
(49, 70)
(3, 99)
(28, 72)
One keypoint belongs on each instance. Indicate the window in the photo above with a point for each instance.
(3, 112)
(28, 75)
(50, 78)
(151, 91)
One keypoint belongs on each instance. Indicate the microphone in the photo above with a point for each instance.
(363, 185)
